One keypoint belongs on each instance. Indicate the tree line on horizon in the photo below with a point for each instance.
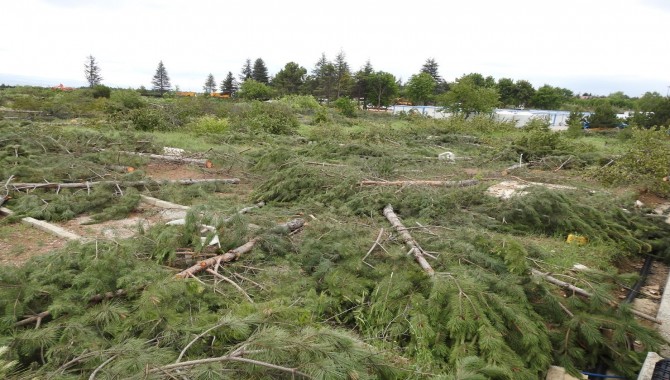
(471, 93)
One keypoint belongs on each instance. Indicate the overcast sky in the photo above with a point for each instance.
(597, 46)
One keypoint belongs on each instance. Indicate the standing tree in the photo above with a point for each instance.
(260, 72)
(431, 68)
(92, 71)
(466, 97)
(343, 80)
(507, 91)
(383, 88)
(549, 97)
(210, 84)
(290, 79)
(161, 80)
(524, 92)
(229, 85)
(324, 79)
(362, 83)
(420, 88)
(246, 70)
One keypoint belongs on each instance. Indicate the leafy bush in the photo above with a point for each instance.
(148, 119)
(127, 99)
(101, 91)
(645, 162)
(301, 103)
(207, 124)
(537, 140)
(346, 106)
(271, 118)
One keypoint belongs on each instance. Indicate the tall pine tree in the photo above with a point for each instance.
(324, 79)
(260, 72)
(229, 85)
(362, 83)
(343, 75)
(92, 71)
(210, 84)
(246, 70)
(161, 80)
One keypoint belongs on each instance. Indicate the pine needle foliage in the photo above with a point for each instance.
(559, 213)
(645, 162)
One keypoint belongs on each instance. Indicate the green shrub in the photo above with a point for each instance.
(274, 118)
(128, 99)
(101, 91)
(207, 124)
(148, 119)
(537, 140)
(346, 106)
(301, 103)
(645, 162)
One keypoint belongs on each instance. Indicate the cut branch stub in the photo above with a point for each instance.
(414, 247)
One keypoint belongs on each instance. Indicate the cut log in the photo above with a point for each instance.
(162, 204)
(235, 253)
(587, 294)
(186, 160)
(464, 183)
(86, 185)
(414, 247)
(45, 226)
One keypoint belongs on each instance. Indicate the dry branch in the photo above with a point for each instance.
(86, 185)
(235, 253)
(464, 183)
(585, 293)
(233, 283)
(414, 247)
(236, 358)
(374, 245)
(198, 161)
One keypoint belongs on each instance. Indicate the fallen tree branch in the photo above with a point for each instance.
(190, 363)
(414, 247)
(198, 161)
(374, 245)
(86, 185)
(464, 183)
(585, 293)
(31, 319)
(235, 253)
(324, 164)
(95, 372)
(94, 299)
(233, 283)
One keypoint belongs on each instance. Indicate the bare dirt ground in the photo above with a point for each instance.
(20, 242)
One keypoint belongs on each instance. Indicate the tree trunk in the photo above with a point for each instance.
(197, 161)
(584, 293)
(45, 226)
(234, 254)
(464, 183)
(414, 247)
(85, 185)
